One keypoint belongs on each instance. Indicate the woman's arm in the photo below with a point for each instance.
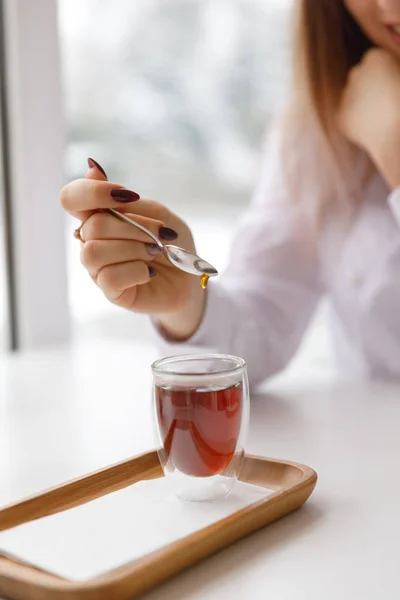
(260, 308)
(370, 112)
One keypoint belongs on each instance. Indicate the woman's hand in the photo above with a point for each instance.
(370, 111)
(122, 261)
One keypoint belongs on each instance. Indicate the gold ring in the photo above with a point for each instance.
(77, 234)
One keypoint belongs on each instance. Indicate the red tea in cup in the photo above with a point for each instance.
(199, 428)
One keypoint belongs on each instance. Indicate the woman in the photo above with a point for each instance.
(325, 218)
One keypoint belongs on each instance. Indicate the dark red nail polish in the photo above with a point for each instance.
(123, 195)
(92, 163)
(168, 234)
(153, 249)
(152, 272)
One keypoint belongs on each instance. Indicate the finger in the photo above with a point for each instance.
(95, 171)
(97, 254)
(144, 207)
(83, 195)
(103, 226)
(113, 280)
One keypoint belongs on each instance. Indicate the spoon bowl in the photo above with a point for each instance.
(188, 262)
(179, 257)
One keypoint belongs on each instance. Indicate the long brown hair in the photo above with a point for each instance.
(328, 43)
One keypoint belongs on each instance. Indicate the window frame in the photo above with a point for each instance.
(33, 136)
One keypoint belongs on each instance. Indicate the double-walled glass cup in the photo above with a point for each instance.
(201, 410)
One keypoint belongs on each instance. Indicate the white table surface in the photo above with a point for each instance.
(67, 412)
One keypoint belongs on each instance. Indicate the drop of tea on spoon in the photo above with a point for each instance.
(204, 280)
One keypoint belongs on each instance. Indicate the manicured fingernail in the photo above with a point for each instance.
(92, 163)
(153, 249)
(166, 233)
(122, 195)
(152, 272)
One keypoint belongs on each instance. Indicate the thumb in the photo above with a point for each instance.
(95, 171)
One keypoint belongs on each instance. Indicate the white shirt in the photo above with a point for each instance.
(281, 266)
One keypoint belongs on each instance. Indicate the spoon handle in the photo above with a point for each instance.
(123, 217)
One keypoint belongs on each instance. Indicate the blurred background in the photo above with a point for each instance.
(173, 99)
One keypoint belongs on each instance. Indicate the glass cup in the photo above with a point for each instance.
(201, 413)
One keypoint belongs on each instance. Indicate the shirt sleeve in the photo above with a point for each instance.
(261, 306)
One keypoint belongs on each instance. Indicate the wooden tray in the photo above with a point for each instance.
(293, 484)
